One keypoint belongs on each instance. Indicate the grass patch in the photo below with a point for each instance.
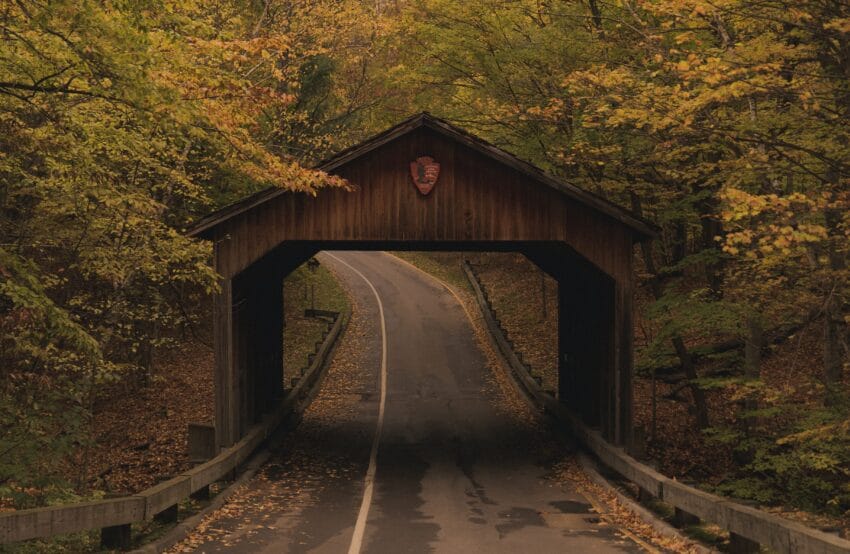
(514, 288)
(86, 541)
(708, 534)
(443, 265)
(307, 288)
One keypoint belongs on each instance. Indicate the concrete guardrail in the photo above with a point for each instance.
(114, 515)
(748, 526)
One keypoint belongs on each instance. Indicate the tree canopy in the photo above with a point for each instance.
(121, 122)
(724, 121)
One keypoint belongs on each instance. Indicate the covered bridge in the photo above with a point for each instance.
(427, 185)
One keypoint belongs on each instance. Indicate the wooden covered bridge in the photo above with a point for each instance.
(427, 185)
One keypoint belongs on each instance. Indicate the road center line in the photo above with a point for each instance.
(363, 515)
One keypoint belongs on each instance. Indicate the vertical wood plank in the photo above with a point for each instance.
(223, 339)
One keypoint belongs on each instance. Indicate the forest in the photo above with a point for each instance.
(724, 122)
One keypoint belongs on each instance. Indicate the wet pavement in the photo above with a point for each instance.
(461, 465)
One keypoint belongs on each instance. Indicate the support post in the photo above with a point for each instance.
(168, 515)
(604, 316)
(564, 362)
(268, 362)
(274, 363)
(624, 357)
(644, 495)
(638, 445)
(201, 448)
(251, 335)
(202, 493)
(224, 367)
(201, 443)
(241, 342)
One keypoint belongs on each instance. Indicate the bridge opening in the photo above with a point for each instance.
(521, 298)
(582, 360)
(416, 434)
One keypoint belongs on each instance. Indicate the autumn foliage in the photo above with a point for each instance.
(724, 121)
(120, 123)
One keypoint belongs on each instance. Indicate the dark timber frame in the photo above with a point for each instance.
(485, 199)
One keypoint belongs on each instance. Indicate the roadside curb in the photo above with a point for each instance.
(527, 389)
(250, 468)
(185, 527)
(658, 525)
(530, 390)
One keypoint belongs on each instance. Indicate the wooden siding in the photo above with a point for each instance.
(474, 201)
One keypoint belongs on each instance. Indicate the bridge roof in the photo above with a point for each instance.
(642, 229)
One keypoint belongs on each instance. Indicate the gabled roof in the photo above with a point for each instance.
(641, 228)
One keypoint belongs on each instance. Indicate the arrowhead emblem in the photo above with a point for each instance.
(424, 172)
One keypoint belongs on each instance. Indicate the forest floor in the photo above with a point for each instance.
(677, 448)
(140, 430)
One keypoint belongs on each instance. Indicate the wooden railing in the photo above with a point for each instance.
(110, 513)
(756, 527)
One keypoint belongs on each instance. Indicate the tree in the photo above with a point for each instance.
(120, 123)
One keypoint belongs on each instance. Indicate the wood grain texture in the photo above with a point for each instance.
(475, 201)
(496, 156)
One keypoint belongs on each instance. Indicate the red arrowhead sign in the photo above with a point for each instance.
(424, 172)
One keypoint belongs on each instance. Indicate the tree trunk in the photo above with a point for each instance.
(700, 404)
(596, 14)
(753, 347)
(680, 243)
(832, 358)
(711, 229)
(685, 358)
(834, 324)
(752, 369)
(654, 432)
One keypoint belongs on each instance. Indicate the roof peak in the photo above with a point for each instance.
(641, 228)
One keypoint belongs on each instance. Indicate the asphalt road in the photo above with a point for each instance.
(459, 465)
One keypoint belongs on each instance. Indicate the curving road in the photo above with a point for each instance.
(460, 464)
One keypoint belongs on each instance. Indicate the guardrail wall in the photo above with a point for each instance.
(110, 513)
(740, 520)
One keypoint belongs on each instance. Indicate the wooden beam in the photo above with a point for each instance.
(240, 359)
(224, 370)
(624, 333)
